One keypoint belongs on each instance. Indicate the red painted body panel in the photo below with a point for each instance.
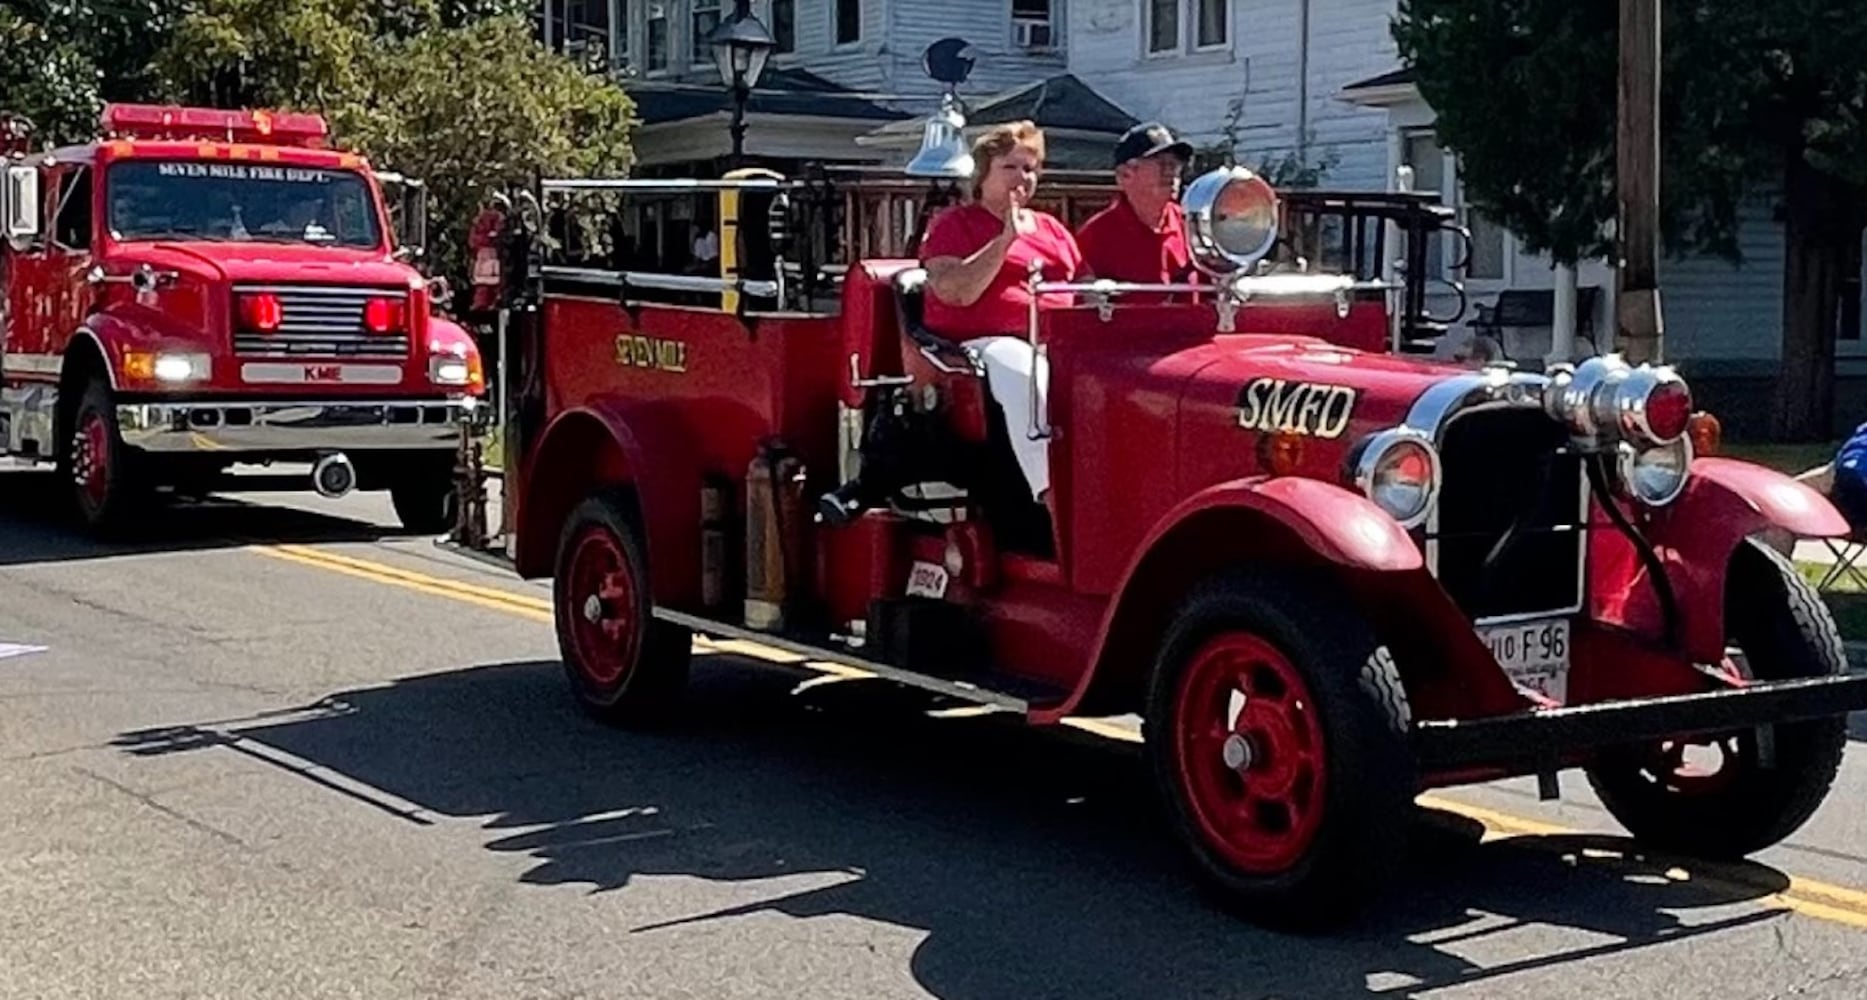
(1725, 502)
(1154, 374)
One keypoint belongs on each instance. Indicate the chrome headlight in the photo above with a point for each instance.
(1231, 219)
(1399, 471)
(1605, 399)
(1656, 474)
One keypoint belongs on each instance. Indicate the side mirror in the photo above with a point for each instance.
(411, 197)
(19, 203)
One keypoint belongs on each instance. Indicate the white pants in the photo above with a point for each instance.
(1008, 362)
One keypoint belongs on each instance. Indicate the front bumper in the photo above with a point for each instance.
(1530, 740)
(297, 426)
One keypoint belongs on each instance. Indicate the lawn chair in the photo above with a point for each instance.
(1847, 550)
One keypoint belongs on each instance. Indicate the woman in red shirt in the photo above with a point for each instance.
(978, 256)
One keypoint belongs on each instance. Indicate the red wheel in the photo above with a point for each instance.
(604, 625)
(1252, 761)
(623, 664)
(1276, 726)
(1720, 796)
(106, 484)
(90, 461)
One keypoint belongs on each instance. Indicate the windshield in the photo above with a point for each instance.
(241, 202)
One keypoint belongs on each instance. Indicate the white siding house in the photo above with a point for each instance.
(1321, 79)
(843, 69)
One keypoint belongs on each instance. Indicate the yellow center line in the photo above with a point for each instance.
(1820, 900)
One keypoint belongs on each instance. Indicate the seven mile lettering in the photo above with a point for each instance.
(1272, 405)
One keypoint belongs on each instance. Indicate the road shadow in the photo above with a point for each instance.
(1036, 862)
(36, 527)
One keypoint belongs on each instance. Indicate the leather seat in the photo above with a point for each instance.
(955, 372)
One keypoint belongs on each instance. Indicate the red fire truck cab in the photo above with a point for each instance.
(1324, 574)
(197, 288)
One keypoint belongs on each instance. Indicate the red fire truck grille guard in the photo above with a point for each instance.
(319, 321)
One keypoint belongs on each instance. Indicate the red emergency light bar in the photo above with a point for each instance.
(153, 121)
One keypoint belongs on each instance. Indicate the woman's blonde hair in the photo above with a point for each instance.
(999, 140)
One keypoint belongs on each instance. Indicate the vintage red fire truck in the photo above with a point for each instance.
(197, 288)
(1327, 575)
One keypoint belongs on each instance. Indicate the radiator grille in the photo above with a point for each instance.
(1505, 468)
(321, 322)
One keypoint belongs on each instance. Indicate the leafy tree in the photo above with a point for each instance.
(1755, 98)
(481, 108)
(455, 92)
(61, 59)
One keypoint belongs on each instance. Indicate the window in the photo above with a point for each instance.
(1209, 30)
(784, 24)
(621, 57)
(1195, 25)
(706, 17)
(241, 202)
(1031, 26)
(71, 227)
(1163, 26)
(848, 21)
(657, 25)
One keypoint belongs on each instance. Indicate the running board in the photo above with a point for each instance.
(490, 557)
(961, 690)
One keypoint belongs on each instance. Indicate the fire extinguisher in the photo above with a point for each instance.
(483, 241)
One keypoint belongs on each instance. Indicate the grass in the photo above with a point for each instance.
(1790, 459)
(1846, 598)
(493, 455)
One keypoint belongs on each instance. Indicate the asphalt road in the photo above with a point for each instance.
(284, 751)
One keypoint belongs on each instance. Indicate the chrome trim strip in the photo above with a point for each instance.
(664, 282)
(642, 185)
(33, 364)
(286, 425)
(354, 291)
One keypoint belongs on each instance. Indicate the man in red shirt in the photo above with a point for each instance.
(1141, 235)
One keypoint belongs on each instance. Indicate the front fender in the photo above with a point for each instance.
(603, 445)
(1241, 522)
(1725, 502)
(116, 333)
(1335, 524)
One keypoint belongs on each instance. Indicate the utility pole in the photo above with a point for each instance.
(1639, 322)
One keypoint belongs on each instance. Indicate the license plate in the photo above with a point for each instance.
(927, 580)
(1534, 654)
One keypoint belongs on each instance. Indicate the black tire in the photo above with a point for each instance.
(107, 500)
(426, 504)
(1360, 708)
(652, 672)
(1785, 631)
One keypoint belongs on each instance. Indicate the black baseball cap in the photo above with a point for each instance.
(1148, 139)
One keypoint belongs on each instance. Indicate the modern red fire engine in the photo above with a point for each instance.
(1327, 575)
(197, 288)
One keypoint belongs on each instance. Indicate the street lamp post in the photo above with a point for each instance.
(741, 44)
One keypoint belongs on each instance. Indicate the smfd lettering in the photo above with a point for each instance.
(1274, 405)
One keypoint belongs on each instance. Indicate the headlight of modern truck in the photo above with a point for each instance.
(454, 364)
(167, 367)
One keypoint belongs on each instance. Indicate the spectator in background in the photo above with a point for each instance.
(1848, 486)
